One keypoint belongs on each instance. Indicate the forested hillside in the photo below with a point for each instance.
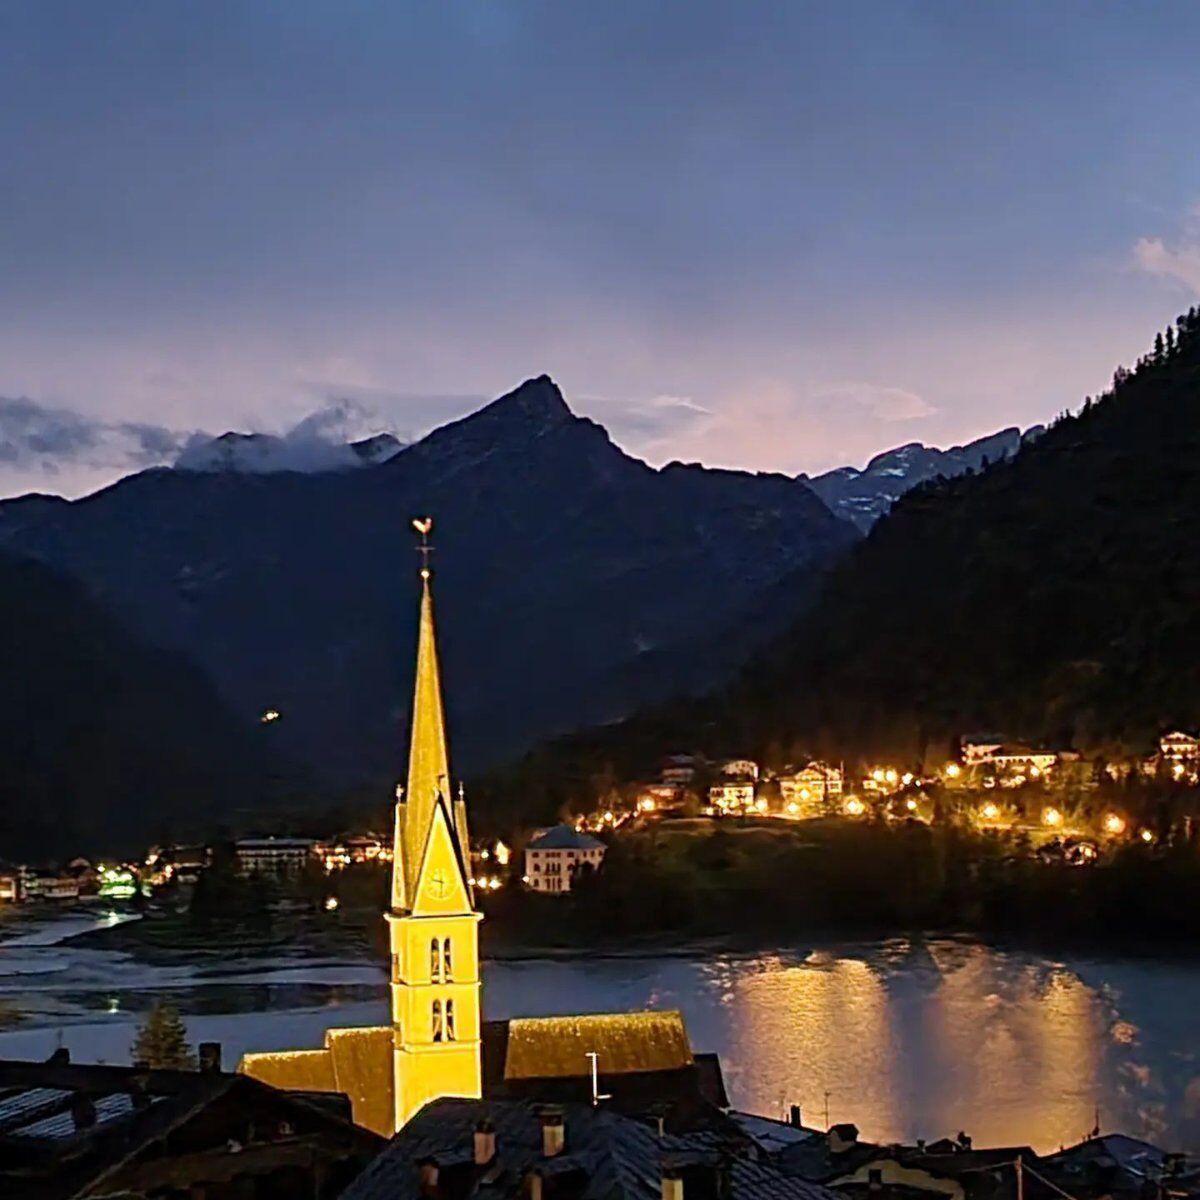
(1054, 595)
(104, 741)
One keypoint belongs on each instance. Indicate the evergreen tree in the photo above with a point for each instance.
(1170, 342)
(161, 1041)
(1159, 349)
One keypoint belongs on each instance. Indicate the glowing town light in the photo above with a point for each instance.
(793, 807)
(503, 854)
(609, 818)
(878, 774)
(1177, 770)
(910, 804)
(271, 714)
(760, 804)
(953, 770)
(804, 793)
(1034, 772)
(1147, 836)
(906, 778)
(331, 903)
(485, 854)
(1052, 817)
(1114, 823)
(890, 775)
(854, 807)
(646, 804)
(989, 812)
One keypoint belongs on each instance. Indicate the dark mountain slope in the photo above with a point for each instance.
(1056, 594)
(103, 740)
(573, 582)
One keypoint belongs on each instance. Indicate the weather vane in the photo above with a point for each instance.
(423, 525)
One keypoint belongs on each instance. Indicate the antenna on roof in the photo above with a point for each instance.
(596, 1095)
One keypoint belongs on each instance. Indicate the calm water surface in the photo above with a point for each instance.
(906, 1038)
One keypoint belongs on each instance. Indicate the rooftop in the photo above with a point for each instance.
(563, 837)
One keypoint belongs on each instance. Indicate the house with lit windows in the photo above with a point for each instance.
(808, 789)
(553, 857)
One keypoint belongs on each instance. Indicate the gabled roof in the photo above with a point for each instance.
(65, 1127)
(606, 1156)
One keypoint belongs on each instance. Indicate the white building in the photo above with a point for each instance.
(811, 786)
(979, 747)
(679, 769)
(732, 795)
(276, 857)
(740, 768)
(1178, 746)
(554, 855)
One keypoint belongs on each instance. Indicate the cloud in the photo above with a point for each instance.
(881, 402)
(1178, 260)
(67, 451)
(44, 439)
(648, 422)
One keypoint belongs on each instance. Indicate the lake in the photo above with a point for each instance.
(907, 1038)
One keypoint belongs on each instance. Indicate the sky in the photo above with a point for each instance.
(771, 236)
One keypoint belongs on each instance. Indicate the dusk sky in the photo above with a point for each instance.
(779, 237)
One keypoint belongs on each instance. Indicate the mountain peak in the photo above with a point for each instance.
(537, 403)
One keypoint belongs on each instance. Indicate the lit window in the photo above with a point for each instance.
(435, 961)
(449, 1020)
(437, 1021)
(447, 963)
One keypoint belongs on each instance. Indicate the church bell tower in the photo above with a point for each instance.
(433, 927)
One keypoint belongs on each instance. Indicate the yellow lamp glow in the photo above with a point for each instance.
(953, 770)
(989, 812)
(1147, 836)
(1114, 823)
(1052, 817)
(854, 807)
(793, 807)
(910, 804)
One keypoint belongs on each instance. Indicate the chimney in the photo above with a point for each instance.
(794, 1117)
(138, 1095)
(208, 1055)
(485, 1142)
(83, 1111)
(672, 1185)
(554, 1132)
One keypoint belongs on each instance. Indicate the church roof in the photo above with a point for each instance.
(428, 783)
(545, 1047)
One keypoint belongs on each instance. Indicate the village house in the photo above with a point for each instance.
(806, 791)
(733, 795)
(739, 768)
(1180, 747)
(273, 857)
(554, 855)
(70, 1131)
(680, 769)
(979, 747)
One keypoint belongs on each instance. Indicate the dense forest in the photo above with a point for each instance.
(1054, 595)
(105, 741)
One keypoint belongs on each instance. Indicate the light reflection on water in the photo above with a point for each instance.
(909, 1038)
(920, 1039)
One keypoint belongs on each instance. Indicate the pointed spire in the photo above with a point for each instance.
(428, 764)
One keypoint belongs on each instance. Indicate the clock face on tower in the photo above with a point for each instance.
(439, 884)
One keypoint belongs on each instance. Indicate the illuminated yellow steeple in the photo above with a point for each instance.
(433, 927)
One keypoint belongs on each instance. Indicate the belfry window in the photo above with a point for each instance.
(449, 1020)
(435, 961)
(438, 1030)
(447, 961)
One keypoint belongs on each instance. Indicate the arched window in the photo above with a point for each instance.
(447, 961)
(449, 1020)
(438, 1031)
(435, 961)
